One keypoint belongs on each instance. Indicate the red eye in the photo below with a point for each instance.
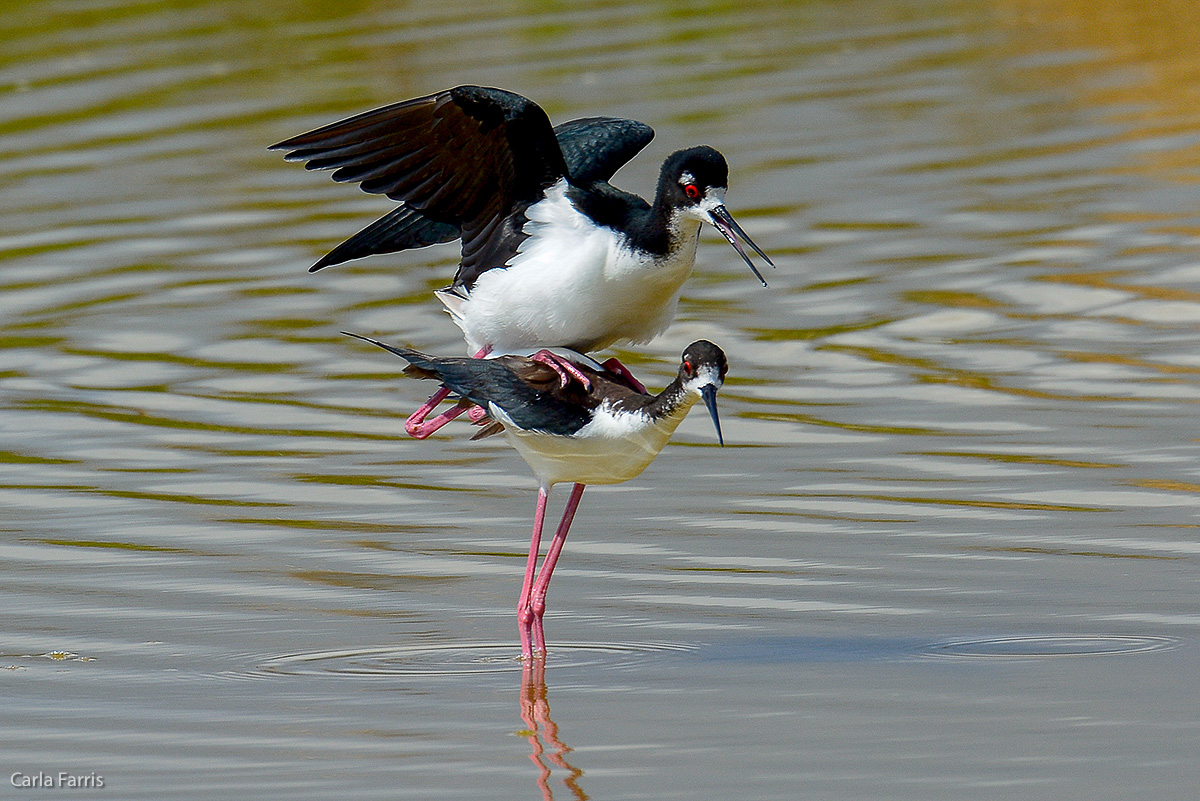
(692, 191)
(687, 367)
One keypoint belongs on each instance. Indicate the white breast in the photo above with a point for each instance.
(612, 448)
(573, 284)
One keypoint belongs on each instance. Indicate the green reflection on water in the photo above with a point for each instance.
(123, 415)
(366, 480)
(372, 581)
(11, 457)
(1019, 458)
(123, 546)
(1029, 549)
(981, 504)
(802, 334)
(808, 419)
(329, 523)
(945, 297)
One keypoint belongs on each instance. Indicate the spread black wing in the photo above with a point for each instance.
(470, 157)
(402, 228)
(592, 148)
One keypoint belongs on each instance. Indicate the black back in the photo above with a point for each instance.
(529, 392)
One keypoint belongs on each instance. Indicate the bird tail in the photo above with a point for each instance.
(454, 306)
(420, 365)
(412, 371)
(459, 374)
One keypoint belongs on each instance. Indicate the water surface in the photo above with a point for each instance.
(948, 552)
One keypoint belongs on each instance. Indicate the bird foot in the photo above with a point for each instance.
(416, 425)
(418, 428)
(615, 367)
(565, 369)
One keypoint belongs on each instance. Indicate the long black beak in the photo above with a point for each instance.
(709, 393)
(724, 222)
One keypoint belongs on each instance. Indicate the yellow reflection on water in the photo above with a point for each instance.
(1153, 47)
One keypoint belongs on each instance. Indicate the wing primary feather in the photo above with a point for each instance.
(470, 160)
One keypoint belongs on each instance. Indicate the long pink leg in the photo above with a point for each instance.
(537, 600)
(613, 365)
(525, 615)
(566, 371)
(416, 426)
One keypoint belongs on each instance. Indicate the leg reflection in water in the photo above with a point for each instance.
(542, 732)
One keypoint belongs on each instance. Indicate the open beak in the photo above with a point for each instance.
(724, 222)
(709, 393)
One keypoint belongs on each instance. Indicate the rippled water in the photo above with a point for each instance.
(960, 424)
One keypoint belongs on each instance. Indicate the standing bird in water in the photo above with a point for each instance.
(553, 256)
(606, 432)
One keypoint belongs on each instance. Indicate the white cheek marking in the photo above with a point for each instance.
(704, 377)
(715, 196)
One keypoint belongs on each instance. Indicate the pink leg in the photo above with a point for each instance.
(537, 600)
(535, 711)
(566, 371)
(416, 426)
(533, 701)
(614, 366)
(524, 611)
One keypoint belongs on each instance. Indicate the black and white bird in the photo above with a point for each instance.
(604, 433)
(552, 254)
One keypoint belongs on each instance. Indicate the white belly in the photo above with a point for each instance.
(598, 294)
(604, 452)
